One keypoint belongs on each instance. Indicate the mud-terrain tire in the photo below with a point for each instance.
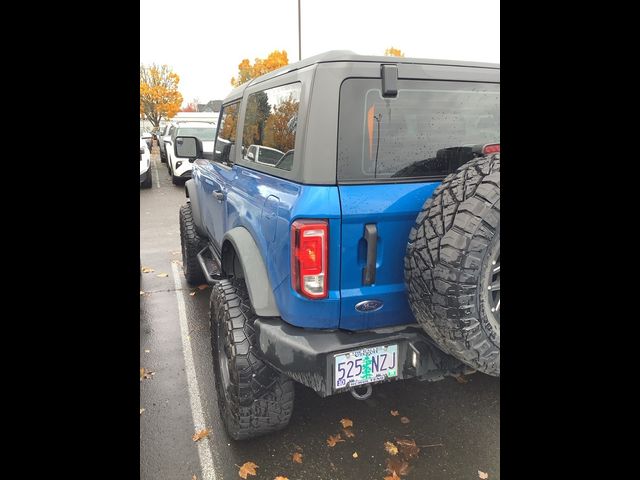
(452, 260)
(191, 244)
(253, 398)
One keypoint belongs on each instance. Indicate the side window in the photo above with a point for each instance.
(270, 123)
(226, 139)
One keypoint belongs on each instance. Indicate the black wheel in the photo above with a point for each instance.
(254, 399)
(163, 158)
(176, 180)
(452, 265)
(148, 182)
(191, 243)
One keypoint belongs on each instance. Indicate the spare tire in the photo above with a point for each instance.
(452, 265)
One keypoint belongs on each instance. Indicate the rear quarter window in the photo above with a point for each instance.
(426, 132)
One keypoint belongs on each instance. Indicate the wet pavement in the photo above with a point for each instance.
(457, 425)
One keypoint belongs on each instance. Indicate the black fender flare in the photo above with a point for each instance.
(254, 270)
(190, 192)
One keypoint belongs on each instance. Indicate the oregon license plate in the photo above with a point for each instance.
(366, 365)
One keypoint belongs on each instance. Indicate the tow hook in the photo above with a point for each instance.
(361, 393)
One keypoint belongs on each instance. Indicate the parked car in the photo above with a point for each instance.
(180, 169)
(164, 137)
(147, 137)
(145, 164)
(369, 253)
(264, 155)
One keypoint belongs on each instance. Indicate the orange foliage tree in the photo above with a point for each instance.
(246, 71)
(278, 129)
(159, 95)
(393, 52)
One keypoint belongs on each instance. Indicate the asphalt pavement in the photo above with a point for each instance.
(456, 425)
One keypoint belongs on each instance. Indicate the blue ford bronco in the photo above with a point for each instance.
(348, 219)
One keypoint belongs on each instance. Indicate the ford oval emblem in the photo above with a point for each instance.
(369, 306)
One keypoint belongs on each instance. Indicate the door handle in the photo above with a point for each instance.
(219, 194)
(371, 238)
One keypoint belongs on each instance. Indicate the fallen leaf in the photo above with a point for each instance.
(333, 439)
(142, 292)
(146, 374)
(346, 423)
(394, 413)
(393, 476)
(141, 373)
(404, 420)
(203, 286)
(348, 433)
(408, 448)
(141, 410)
(391, 448)
(162, 275)
(192, 293)
(200, 435)
(280, 478)
(483, 475)
(248, 468)
(355, 455)
(297, 457)
(398, 466)
(461, 379)
(147, 270)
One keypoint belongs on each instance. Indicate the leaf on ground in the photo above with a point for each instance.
(483, 475)
(147, 270)
(162, 275)
(394, 413)
(404, 420)
(397, 465)
(280, 477)
(297, 457)
(193, 293)
(248, 468)
(203, 286)
(141, 410)
(141, 373)
(146, 374)
(355, 455)
(200, 435)
(461, 379)
(346, 423)
(142, 292)
(393, 476)
(348, 433)
(408, 447)
(391, 448)
(334, 439)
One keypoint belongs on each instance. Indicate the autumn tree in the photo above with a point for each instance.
(279, 130)
(247, 71)
(393, 52)
(191, 107)
(159, 95)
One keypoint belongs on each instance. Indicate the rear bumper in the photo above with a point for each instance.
(307, 356)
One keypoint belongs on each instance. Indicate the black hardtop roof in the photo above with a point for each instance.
(349, 56)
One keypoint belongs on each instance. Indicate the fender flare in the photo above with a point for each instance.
(190, 192)
(254, 270)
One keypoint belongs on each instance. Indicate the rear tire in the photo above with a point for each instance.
(148, 182)
(254, 399)
(192, 244)
(452, 259)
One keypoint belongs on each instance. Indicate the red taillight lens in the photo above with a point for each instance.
(309, 257)
(491, 148)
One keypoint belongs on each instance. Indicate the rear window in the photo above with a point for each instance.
(426, 132)
(204, 134)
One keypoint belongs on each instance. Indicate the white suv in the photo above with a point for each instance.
(180, 168)
(145, 164)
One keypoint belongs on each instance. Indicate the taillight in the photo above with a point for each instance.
(491, 148)
(309, 257)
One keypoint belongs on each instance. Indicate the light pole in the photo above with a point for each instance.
(299, 35)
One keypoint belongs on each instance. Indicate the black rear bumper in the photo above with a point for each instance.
(307, 355)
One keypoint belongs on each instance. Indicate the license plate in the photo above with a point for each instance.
(366, 365)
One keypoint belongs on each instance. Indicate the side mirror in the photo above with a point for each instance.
(187, 147)
(250, 156)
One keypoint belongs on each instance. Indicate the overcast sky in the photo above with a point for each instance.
(205, 40)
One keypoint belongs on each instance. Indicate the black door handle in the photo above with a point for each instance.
(371, 238)
(218, 194)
